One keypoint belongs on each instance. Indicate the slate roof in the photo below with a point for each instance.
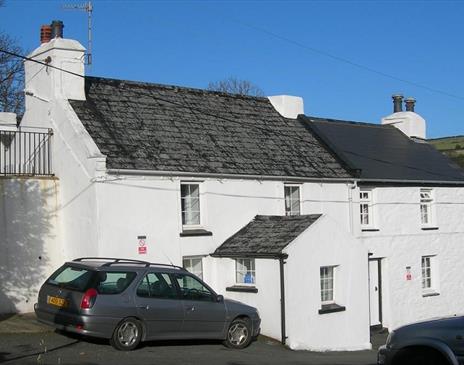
(382, 152)
(265, 236)
(146, 126)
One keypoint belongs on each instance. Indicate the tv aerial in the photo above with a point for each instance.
(87, 7)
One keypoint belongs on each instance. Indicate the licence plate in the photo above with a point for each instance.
(56, 301)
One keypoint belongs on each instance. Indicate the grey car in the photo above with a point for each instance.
(129, 301)
(435, 342)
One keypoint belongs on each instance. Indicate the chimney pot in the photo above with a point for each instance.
(57, 29)
(410, 103)
(397, 103)
(45, 33)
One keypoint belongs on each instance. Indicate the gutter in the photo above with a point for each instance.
(358, 180)
(274, 256)
(225, 176)
(410, 182)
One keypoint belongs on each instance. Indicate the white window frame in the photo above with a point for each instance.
(187, 264)
(366, 202)
(199, 224)
(426, 205)
(332, 273)
(252, 270)
(429, 274)
(292, 186)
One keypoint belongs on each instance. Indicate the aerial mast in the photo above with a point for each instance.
(87, 7)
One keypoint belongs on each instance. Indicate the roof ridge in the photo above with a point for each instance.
(331, 120)
(174, 87)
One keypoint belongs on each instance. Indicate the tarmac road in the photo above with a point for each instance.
(25, 341)
(56, 348)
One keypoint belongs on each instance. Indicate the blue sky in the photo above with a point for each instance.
(281, 46)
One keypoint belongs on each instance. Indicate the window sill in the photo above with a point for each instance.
(429, 228)
(370, 229)
(242, 289)
(331, 308)
(195, 232)
(430, 294)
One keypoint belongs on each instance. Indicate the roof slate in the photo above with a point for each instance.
(146, 126)
(383, 152)
(265, 235)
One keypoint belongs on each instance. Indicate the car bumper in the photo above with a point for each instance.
(385, 355)
(94, 326)
(256, 327)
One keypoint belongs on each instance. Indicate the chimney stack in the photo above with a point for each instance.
(397, 103)
(410, 103)
(57, 29)
(45, 33)
(408, 122)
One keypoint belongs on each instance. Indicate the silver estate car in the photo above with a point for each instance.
(129, 301)
(434, 342)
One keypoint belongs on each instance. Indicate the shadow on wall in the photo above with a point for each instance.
(27, 219)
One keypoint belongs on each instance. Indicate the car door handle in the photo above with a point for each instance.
(190, 309)
(143, 307)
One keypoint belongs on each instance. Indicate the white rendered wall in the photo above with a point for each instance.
(76, 159)
(325, 243)
(131, 206)
(30, 240)
(401, 243)
(267, 299)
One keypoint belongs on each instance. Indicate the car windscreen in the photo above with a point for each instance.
(81, 279)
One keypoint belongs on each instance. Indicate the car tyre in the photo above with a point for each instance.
(127, 335)
(238, 334)
(421, 357)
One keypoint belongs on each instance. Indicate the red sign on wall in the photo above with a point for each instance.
(408, 273)
(142, 245)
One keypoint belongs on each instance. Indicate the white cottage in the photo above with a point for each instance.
(292, 214)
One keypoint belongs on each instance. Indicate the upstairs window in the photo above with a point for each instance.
(426, 200)
(190, 203)
(245, 272)
(292, 199)
(365, 207)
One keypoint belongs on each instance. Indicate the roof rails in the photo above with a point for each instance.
(118, 261)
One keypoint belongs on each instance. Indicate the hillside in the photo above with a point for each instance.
(451, 146)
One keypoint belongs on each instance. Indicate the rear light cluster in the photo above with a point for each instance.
(88, 300)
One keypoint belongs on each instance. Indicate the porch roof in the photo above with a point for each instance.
(265, 236)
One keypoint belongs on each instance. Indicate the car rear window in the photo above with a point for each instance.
(80, 279)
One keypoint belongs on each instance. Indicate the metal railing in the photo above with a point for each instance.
(25, 153)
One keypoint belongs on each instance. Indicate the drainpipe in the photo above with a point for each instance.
(282, 298)
(351, 188)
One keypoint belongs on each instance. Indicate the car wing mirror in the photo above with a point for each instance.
(219, 298)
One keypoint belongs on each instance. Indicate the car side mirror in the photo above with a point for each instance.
(219, 298)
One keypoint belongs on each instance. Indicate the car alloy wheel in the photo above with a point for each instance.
(127, 335)
(238, 334)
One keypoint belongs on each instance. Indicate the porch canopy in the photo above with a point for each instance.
(265, 236)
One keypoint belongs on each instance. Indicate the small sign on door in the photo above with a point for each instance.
(142, 245)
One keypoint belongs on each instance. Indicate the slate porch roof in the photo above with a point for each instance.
(265, 236)
(383, 152)
(146, 126)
